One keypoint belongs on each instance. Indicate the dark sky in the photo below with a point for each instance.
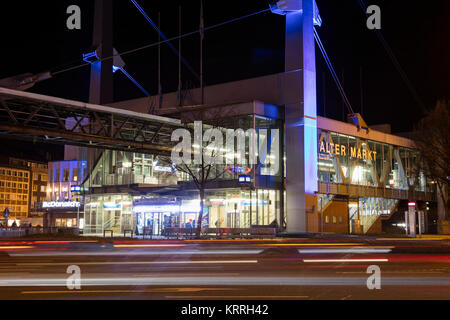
(34, 38)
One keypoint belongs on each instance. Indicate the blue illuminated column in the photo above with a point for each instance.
(300, 114)
(101, 86)
(101, 79)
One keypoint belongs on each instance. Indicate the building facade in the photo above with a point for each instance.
(38, 180)
(22, 188)
(63, 205)
(363, 178)
(15, 184)
(332, 176)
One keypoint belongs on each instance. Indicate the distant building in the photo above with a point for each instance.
(22, 189)
(64, 203)
(38, 179)
(15, 191)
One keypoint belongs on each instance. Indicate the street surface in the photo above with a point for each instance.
(298, 269)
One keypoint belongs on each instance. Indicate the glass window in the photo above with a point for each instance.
(66, 174)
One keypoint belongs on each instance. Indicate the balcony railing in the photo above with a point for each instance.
(365, 191)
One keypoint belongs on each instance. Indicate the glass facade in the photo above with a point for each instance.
(228, 204)
(139, 193)
(108, 212)
(350, 160)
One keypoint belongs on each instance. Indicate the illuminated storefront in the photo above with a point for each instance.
(362, 176)
(130, 192)
(64, 203)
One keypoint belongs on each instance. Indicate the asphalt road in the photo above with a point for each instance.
(298, 269)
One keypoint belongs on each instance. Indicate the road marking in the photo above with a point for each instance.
(343, 260)
(138, 262)
(132, 253)
(130, 291)
(230, 281)
(352, 250)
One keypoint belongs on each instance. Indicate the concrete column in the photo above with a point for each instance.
(300, 117)
(101, 86)
(101, 79)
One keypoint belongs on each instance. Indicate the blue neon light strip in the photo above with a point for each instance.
(135, 82)
(88, 57)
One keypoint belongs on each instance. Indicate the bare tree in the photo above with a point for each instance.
(433, 141)
(212, 164)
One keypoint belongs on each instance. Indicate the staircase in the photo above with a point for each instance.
(371, 220)
(112, 224)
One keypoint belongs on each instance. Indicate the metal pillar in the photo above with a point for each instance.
(300, 116)
(412, 219)
(101, 86)
(101, 79)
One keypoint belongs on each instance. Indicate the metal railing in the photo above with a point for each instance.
(28, 231)
(375, 192)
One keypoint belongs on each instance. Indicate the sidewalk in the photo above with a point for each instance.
(394, 237)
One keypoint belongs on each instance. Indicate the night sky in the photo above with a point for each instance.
(35, 39)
